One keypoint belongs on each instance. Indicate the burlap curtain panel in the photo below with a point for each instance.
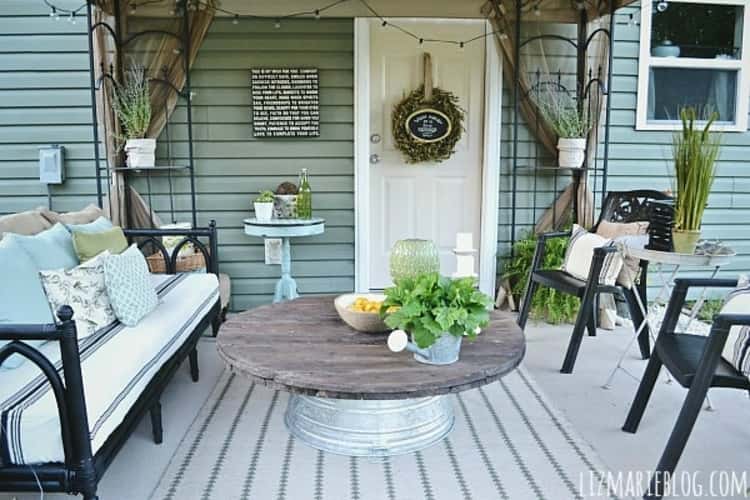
(159, 51)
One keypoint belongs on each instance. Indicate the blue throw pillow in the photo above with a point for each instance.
(22, 298)
(50, 249)
(129, 286)
(99, 225)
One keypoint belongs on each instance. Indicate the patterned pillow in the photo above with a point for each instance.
(580, 253)
(83, 289)
(129, 286)
(737, 348)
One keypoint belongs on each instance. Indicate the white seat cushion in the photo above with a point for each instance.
(737, 348)
(117, 362)
(580, 253)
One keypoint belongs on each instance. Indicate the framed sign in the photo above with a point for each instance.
(285, 102)
(428, 125)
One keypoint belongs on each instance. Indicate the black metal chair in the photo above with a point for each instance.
(695, 362)
(619, 206)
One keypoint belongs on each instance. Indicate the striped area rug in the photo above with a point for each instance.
(509, 442)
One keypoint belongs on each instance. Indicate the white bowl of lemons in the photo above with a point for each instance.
(361, 311)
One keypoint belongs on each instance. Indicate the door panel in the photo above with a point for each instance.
(428, 200)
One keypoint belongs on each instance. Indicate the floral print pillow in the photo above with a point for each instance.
(82, 288)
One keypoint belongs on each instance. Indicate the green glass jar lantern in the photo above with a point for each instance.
(412, 257)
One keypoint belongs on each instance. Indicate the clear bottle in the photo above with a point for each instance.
(304, 196)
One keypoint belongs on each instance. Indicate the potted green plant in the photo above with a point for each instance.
(437, 312)
(133, 109)
(695, 152)
(263, 206)
(570, 122)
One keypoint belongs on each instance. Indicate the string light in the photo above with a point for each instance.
(196, 5)
(537, 11)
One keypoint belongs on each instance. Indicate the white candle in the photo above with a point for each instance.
(464, 241)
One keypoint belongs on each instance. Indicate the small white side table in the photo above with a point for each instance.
(286, 287)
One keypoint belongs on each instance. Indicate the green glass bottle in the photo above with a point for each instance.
(304, 196)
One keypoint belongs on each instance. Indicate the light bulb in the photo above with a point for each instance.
(72, 17)
(277, 24)
(132, 8)
(317, 13)
(537, 11)
(503, 35)
(53, 12)
(236, 19)
(662, 6)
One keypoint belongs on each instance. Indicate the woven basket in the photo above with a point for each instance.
(185, 263)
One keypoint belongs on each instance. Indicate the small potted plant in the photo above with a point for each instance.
(570, 122)
(285, 201)
(263, 206)
(133, 109)
(695, 153)
(437, 312)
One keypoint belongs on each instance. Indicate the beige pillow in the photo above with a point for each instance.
(27, 223)
(88, 214)
(614, 230)
(580, 253)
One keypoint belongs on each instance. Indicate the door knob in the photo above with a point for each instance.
(374, 158)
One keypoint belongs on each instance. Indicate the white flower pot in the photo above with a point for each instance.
(571, 152)
(263, 211)
(141, 153)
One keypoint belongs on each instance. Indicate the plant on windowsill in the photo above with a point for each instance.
(695, 152)
(263, 206)
(570, 121)
(437, 312)
(132, 106)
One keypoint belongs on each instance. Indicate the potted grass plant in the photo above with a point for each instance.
(263, 206)
(437, 312)
(695, 152)
(570, 122)
(133, 109)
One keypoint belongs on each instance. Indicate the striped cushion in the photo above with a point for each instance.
(737, 348)
(580, 253)
(117, 363)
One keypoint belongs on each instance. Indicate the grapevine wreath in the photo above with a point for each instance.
(442, 101)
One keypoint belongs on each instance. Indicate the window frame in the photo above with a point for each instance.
(646, 61)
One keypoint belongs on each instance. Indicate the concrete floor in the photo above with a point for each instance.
(720, 441)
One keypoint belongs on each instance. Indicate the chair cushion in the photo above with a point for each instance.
(737, 348)
(88, 214)
(28, 223)
(84, 290)
(117, 363)
(99, 225)
(628, 233)
(580, 253)
(90, 244)
(129, 286)
(22, 299)
(50, 249)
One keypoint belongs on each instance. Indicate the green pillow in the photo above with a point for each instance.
(89, 245)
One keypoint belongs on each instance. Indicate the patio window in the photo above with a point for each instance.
(693, 53)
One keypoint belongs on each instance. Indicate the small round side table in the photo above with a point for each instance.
(286, 287)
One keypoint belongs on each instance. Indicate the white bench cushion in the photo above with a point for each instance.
(117, 362)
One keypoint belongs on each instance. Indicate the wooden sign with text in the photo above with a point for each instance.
(285, 102)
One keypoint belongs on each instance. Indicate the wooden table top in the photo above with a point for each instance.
(303, 347)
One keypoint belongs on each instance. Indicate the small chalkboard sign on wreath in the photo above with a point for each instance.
(428, 123)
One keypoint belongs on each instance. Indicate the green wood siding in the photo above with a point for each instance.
(44, 99)
(232, 167)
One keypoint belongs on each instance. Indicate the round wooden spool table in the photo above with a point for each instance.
(350, 394)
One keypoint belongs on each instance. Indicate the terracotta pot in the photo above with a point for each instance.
(571, 152)
(685, 241)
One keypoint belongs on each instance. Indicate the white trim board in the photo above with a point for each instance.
(490, 163)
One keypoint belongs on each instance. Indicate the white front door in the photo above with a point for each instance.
(427, 200)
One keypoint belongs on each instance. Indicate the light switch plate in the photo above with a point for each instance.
(273, 250)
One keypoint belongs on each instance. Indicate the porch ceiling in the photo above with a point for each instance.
(550, 10)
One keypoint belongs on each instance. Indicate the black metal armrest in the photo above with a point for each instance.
(705, 282)
(728, 320)
(554, 234)
(30, 332)
(679, 295)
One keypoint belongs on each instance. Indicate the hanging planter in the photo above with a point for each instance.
(428, 123)
(571, 152)
(133, 109)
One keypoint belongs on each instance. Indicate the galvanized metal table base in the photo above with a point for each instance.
(367, 428)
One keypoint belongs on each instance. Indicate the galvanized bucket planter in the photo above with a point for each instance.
(443, 352)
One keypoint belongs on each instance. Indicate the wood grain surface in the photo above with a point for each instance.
(302, 347)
